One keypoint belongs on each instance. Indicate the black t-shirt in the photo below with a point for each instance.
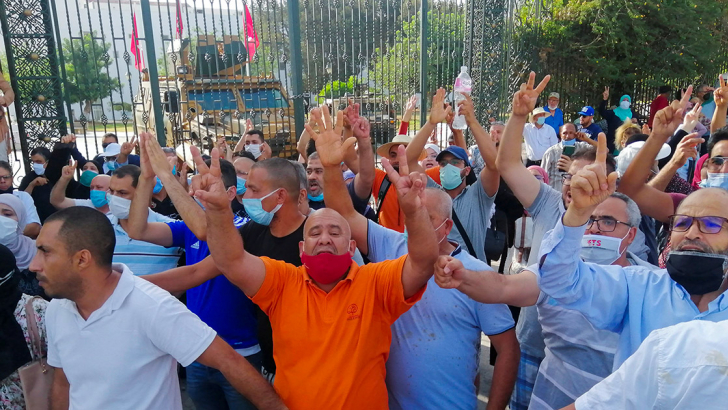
(41, 196)
(238, 209)
(259, 241)
(316, 205)
(165, 207)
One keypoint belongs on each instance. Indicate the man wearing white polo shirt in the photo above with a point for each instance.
(115, 339)
(539, 136)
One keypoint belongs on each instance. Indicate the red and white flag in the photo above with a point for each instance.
(251, 36)
(180, 26)
(135, 50)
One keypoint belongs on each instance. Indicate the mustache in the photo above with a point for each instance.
(694, 243)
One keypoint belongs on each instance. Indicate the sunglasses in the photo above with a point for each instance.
(706, 224)
(716, 162)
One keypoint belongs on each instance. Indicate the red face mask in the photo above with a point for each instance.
(326, 268)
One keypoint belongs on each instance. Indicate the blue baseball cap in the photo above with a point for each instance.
(587, 111)
(457, 152)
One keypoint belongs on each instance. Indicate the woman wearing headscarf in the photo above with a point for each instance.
(16, 349)
(615, 117)
(12, 222)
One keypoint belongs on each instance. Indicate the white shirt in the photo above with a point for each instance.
(677, 367)
(125, 354)
(31, 214)
(90, 204)
(538, 140)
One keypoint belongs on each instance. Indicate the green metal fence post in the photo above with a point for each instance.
(296, 65)
(424, 45)
(153, 74)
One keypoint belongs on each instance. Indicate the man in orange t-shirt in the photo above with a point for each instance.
(331, 319)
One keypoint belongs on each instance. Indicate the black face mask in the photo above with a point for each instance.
(699, 273)
(104, 145)
(706, 96)
(7, 191)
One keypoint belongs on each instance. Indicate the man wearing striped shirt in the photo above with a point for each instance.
(142, 258)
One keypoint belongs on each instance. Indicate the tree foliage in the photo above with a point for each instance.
(87, 61)
(337, 89)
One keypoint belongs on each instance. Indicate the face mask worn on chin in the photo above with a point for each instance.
(450, 177)
(111, 165)
(717, 180)
(7, 191)
(406, 235)
(98, 198)
(39, 169)
(326, 268)
(253, 149)
(8, 230)
(568, 142)
(600, 249)
(119, 206)
(317, 198)
(240, 188)
(553, 107)
(699, 273)
(158, 187)
(254, 208)
(541, 120)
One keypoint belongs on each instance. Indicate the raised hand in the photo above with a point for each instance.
(605, 94)
(439, 110)
(157, 159)
(361, 129)
(208, 187)
(669, 118)
(351, 114)
(128, 147)
(524, 100)
(4, 132)
(410, 108)
(249, 125)
(467, 108)
(721, 93)
(68, 139)
(410, 186)
(591, 185)
(328, 140)
(147, 171)
(692, 118)
(646, 129)
(449, 272)
(68, 171)
(687, 148)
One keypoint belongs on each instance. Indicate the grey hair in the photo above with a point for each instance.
(497, 123)
(443, 204)
(633, 211)
(314, 155)
(301, 171)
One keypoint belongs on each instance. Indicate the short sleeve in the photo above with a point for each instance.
(156, 217)
(31, 213)
(493, 318)
(547, 200)
(179, 230)
(84, 202)
(618, 390)
(388, 287)
(383, 243)
(360, 204)
(177, 331)
(277, 274)
(54, 359)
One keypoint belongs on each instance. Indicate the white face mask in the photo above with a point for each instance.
(600, 249)
(624, 105)
(8, 230)
(253, 149)
(119, 206)
(553, 107)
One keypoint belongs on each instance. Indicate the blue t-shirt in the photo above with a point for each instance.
(556, 120)
(218, 303)
(592, 131)
(433, 359)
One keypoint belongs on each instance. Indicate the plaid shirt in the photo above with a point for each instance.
(550, 160)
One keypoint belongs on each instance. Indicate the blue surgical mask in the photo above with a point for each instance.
(98, 198)
(450, 176)
(541, 120)
(111, 166)
(317, 198)
(39, 169)
(158, 186)
(241, 188)
(254, 209)
(569, 142)
(624, 105)
(717, 180)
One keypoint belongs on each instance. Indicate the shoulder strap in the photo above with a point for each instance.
(523, 231)
(463, 234)
(382, 193)
(33, 332)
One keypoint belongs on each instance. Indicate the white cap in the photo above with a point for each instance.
(433, 147)
(111, 150)
(630, 152)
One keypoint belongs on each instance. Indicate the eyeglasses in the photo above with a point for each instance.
(539, 177)
(109, 159)
(566, 178)
(443, 162)
(716, 162)
(707, 224)
(606, 224)
(4, 178)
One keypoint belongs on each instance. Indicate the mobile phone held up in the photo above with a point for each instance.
(569, 150)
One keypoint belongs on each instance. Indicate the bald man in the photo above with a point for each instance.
(331, 318)
(633, 301)
(99, 188)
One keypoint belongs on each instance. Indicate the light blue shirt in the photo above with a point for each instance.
(631, 301)
(433, 359)
(143, 258)
(679, 367)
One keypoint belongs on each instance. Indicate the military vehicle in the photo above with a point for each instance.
(209, 97)
(381, 115)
